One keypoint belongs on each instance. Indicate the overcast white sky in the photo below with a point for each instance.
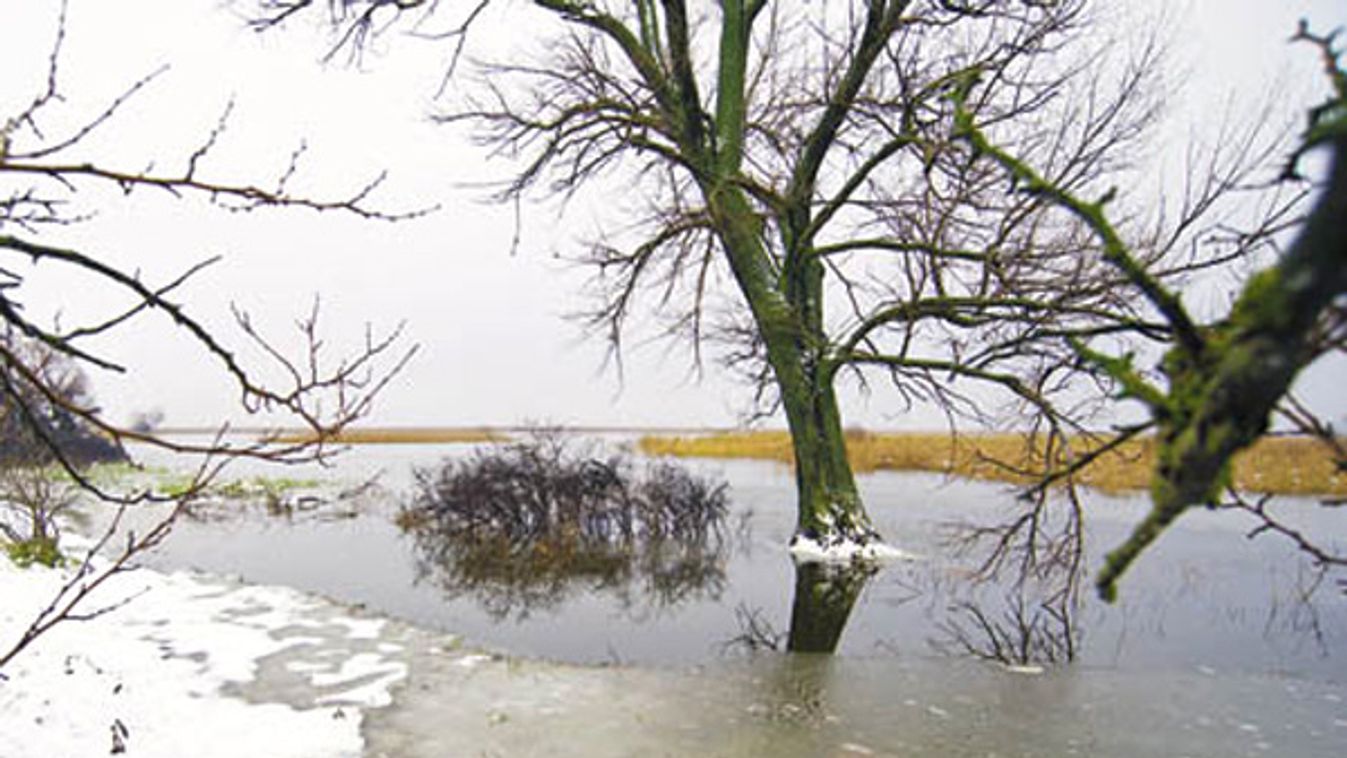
(494, 348)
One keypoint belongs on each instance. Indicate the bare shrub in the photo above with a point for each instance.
(33, 501)
(521, 526)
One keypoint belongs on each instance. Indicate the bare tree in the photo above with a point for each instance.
(796, 186)
(792, 198)
(32, 507)
(42, 390)
(31, 429)
(1222, 381)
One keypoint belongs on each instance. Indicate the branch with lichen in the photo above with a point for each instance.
(1225, 380)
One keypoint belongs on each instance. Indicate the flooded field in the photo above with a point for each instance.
(1219, 645)
(1206, 597)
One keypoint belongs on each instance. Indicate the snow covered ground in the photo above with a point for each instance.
(193, 665)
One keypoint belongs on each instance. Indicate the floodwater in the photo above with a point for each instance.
(811, 705)
(1219, 645)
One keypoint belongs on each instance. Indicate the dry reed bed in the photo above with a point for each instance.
(1282, 465)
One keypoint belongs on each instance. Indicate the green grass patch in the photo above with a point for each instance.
(260, 486)
(41, 550)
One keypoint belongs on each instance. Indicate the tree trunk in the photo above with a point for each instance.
(788, 318)
(830, 508)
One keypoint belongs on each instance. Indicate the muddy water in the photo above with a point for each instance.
(1219, 645)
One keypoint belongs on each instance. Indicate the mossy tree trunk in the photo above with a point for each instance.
(829, 504)
(784, 294)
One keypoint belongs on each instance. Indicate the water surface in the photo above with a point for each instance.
(1205, 598)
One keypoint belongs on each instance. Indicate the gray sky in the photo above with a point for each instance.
(494, 348)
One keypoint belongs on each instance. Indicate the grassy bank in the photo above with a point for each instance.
(1283, 465)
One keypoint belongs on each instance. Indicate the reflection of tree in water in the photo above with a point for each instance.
(825, 593)
(523, 527)
(1018, 630)
(1020, 605)
(1014, 628)
(1010, 590)
(824, 596)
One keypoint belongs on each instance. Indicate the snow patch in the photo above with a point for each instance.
(164, 674)
(369, 677)
(472, 660)
(806, 549)
(363, 629)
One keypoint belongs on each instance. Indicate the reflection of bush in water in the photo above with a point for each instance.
(522, 526)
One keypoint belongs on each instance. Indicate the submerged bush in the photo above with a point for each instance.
(521, 525)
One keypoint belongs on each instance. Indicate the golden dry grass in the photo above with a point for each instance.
(401, 436)
(1282, 465)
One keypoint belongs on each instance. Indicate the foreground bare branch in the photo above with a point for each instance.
(48, 418)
